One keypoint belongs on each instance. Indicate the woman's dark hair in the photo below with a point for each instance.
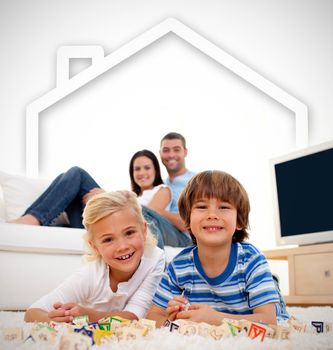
(158, 178)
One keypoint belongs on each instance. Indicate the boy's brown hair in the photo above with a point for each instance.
(222, 186)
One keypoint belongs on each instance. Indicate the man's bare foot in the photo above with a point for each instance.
(25, 219)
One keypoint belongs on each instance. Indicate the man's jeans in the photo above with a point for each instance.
(65, 194)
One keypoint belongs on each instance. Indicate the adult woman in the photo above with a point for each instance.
(146, 181)
(154, 196)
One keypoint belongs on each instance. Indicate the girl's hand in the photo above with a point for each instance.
(201, 313)
(66, 312)
(59, 314)
(175, 305)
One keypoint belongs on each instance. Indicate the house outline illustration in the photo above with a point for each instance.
(101, 64)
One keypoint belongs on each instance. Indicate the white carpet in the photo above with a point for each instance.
(163, 340)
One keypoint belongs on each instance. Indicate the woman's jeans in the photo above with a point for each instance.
(164, 230)
(65, 194)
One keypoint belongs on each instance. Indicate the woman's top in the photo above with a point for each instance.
(148, 195)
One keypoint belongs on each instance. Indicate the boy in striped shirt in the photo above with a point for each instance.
(220, 276)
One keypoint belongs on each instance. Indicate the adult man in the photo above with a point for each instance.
(169, 224)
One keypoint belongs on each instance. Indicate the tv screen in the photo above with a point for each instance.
(303, 195)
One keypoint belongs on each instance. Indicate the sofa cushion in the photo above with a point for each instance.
(30, 238)
(19, 192)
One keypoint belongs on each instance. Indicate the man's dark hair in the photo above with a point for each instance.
(173, 136)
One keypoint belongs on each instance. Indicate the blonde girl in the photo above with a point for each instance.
(122, 270)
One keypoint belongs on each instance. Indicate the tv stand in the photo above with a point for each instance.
(310, 270)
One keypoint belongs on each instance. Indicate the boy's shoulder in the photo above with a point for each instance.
(247, 249)
(184, 254)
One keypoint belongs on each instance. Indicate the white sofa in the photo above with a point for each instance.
(34, 259)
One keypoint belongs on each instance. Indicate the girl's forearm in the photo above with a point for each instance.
(36, 315)
(39, 315)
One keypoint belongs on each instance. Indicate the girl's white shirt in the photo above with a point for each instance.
(148, 195)
(90, 286)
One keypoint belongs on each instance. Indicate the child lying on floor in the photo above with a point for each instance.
(221, 276)
(124, 270)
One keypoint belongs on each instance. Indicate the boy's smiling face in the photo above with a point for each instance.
(213, 222)
(119, 238)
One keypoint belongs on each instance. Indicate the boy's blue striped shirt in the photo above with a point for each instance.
(245, 284)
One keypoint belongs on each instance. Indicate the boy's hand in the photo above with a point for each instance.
(176, 305)
(66, 312)
(200, 313)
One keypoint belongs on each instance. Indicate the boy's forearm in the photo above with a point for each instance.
(264, 314)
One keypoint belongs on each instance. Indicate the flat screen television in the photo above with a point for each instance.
(303, 195)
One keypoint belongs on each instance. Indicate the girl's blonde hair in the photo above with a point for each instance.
(105, 204)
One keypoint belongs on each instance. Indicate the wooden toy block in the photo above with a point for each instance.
(296, 324)
(44, 334)
(101, 336)
(257, 330)
(322, 327)
(280, 332)
(74, 341)
(127, 333)
(150, 324)
(204, 329)
(244, 325)
(188, 328)
(80, 321)
(216, 332)
(14, 335)
(174, 325)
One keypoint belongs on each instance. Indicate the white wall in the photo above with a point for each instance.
(288, 42)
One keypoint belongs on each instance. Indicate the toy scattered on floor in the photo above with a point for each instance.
(82, 334)
(252, 330)
(322, 327)
(14, 335)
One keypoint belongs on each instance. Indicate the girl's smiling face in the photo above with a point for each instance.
(119, 239)
(213, 222)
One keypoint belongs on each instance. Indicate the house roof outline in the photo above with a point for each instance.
(101, 64)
